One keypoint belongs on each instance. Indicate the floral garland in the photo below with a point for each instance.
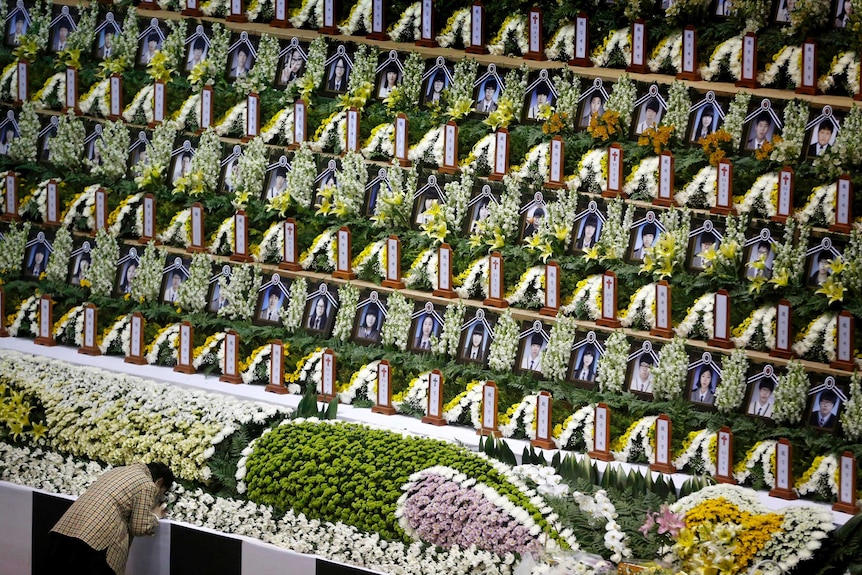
(761, 197)
(415, 397)
(271, 244)
(117, 218)
(323, 244)
(700, 191)
(668, 50)
(279, 125)
(726, 56)
(586, 301)
(163, 349)
(699, 446)
(530, 289)
(348, 296)
(381, 142)
(362, 385)
(818, 335)
(580, 423)
(819, 209)
(731, 393)
(473, 280)
(758, 329)
(55, 87)
(699, 319)
(762, 456)
(639, 437)
(58, 264)
(81, 206)
(257, 361)
(359, 18)
(555, 361)
(104, 266)
(562, 44)
(616, 40)
(844, 65)
(611, 368)
(211, 353)
(789, 57)
(788, 148)
(177, 231)
(791, 393)
(69, 329)
(423, 269)
(501, 353)
(397, 326)
(593, 170)
(545, 478)
(222, 241)
(520, 417)
(641, 309)
(27, 310)
(457, 28)
(512, 34)
(407, 28)
(643, 179)
(820, 477)
(468, 401)
(97, 100)
(117, 335)
(141, 106)
(291, 318)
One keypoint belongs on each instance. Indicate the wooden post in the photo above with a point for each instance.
(582, 42)
(602, 434)
(450, 148)
(276, 368)
(783, 471)
(149, 217)
(556, 171)
(843, 206)
(663, 440)
(197, 218)
(329, 14)
(352, 142)
(544, 422)
(115, 100)
(615, 182)
(748, 75)
(300, 124)
(808, 84)
(10, 203)
(495, 282)
(100, 210)
(402, 144)
(378, 21)
(252, 118)
(237, 12)
(664, 197)
(3, 332)
(192, 9)
(723, 189)
(784, 207)
(690, 70)
(70, 101)
(444, 273)
(280, 13)
(552, 290)
(23, 94)
(501, 155)
(136, 340)
(89, 347)
(207, 110)
(186, 349)
(160, 103)
(52, 207)
(638, 63)
(844, 342)
(435, 399)
(384, 389)
(426, 26)
(724, 457)
(230, 366)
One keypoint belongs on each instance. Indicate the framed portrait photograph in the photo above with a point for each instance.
(723, 8)
(584, 361)
(760, 127)
(532, 343)
(435, 82)
(539, 94)
(486, 91)
(106, 32)
(390, 74)
(783, 9)
(370, 316)
(127, 271)
(174, 274)
(824, 406)
(759, 255)
(181, 161)
(702, 240)
(150, 41)
(425, 327)
(649, 115)
(644, 234)
(276, 182)
(819, 259)
(704, 377)
(37, 252)
(476, 336)
(379, 180)
(325, 182)
(270, 300)
(320, 308)
(843, 12)
(217, 299)
(241, 56)
(592, 103)
(91, 149)
(230, 170)
(821, 133)
(197, 47)
(17, 24)
(588, 227)
(138, 155)
(424, 201)
(639, 371)
(291, 65)
(704, 121)
(338, 68)
(761, 397)
(532, 215)
(61, 26)
(46, 134)
(80, 261)
(479, 208)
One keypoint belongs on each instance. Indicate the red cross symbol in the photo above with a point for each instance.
(609, 283)
(535, 19)
(496, 264)
(785, 179)
(328, 361)
(724, 441)
(724, 170)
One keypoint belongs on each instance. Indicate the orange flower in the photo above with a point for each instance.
(716, 146)
(657, 137)
(604, 126)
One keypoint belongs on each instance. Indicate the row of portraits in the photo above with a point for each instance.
(151, 38)
(477, 332)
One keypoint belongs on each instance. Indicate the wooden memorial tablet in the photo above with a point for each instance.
(148, 210)
(501, 155)
(748, 75)
(489, 410)
(844, 329)
(10, 199)
(280, 13)
(808, 79)
(663, 453)
(450, 148)
(783, 325)
(784, 205)
(207, 111)
(535, 40)
(846, 485)
(783, 471)
(378, 21)
(724, 457)
(115, 97)
(723, 189)
(290, 249)
(609, 301)
(184, 349)
(663, 322)
(721, 321)
(240, 238)
(70, 101)
(426, 26)
(544, 422)
(230, 366)
(615, 182)
(638, 63)
(329, 14)
(252, 117)
(135, 354)
(52, 203)
(444, 273)
(393, 264)
(343, 258)
(383, 405)
(843, 206)
(22, 94)
(477, 29)
(495, 282)
(160, 103)
(237, 12)
(689, 55)
(328, 388)
(582, 42)
(276, 368)
(401, 142)
(197, 232)
(602, 434)
(556, 169)
(664, 196)
(88, 346)
(552, 290)
(192, 9)
(300, 124)
(352, 142)
(435, 399)
(100, 210)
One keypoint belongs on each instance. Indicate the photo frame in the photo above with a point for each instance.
(325, 182)
(17, 24)
(723, 8)
(174, 274)
(91, 150)
(61, 26)
(425, 327)
(8, 132)
(641, 361)
(46, 134)
(275, 182)
(378, 180)
(216, 297)
(138, 154)
(181, 161)
(424, 199)
(701, 239)
(588, 225)
(824, 406)
(783, 10)
(291, 63)
(592, 103)
(106, 32)
(37, 253)
(338, 66)
(479, 208)
(532, 214)
(759, 255)
(818, 260)
(705, 117)
(80, 261)
(477, 333)
(645, 233)
(704, 377)
(150, 41)
(539, 93)
(760, 396)
(760, 126)
(229, 170)
(584, 360)
(320, 308)
(388, 75)
(127, 271)
(842, 14)
(241, 56)
(532, 344)
(649, 110)
(272, 296)
(487, 90)
(371, 314)
(197, 47)
(435, 81)
(821, 133)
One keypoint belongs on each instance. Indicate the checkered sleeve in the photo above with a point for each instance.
(142, 520)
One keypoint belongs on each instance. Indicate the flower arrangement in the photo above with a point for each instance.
(844, 66)
(348, 296)
(473, 281)
(148, 280)
(237, 289)
(808, 15)
(791, 393)
(464, 407)
(731, 393)
(643, 179)
(512, 36)
(460, 97)
(611, 369)
(81, 207)
(192, 294)
(851, 417)
(562, 43)
(817, 340)
(210, 354)
(358, 19)
(397, 326)
(393, 208)
(669, 253)
(457, 29)
(105, 256)
(530, 289)
(819, 209)
(116, 337)
(24, 148)
(251, 172)
(614, 240)
(453, 319)
(788, 267)
(667, 53)
(28, 311)
(622, 101)
(371, 261)
(758, 329)
(406, 29)
(580, 424)
(637, 441)
(787, 59)
(847, 149)
(58, 264)
(112, 149)
(504, 347)
(503, 219)
(725, 58)
(586, 300)
(616, 46)
(555, 361)
(760, 459)
(12, 254)
(699, 319)
(68, 145)
(671, 372)
(321, 254)
(789, 147)
(678, 107)
(640, 312)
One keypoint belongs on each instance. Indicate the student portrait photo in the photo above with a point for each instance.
(241, 62)
(151, 44)
(819, 268)
(479, 212)
(60, 35)
(370, 322)
(172, 283)
(760, 131)
(723, 7)
(762, 399)
(182, 166)
(46, 135)
(703, 243)
(292, 67)
(649, 115)
(338, 75)
(593, 107)
(437, 84)
(127, 273)
(822, 137)
(824, 409)
(270, 304)
(645, 237)
(532, 221)
(277, 184)
(705, 123)
(532, 352)
(487, 96)
(197, 53)
(784, 9)
(105, 44)
(589, 230)
(230, 177)
(843, 11)
(475, 343)
(16, 27)
(218, 298)
(318, 313)
(37, 260)
(539, 97)
(641, 378)
(80, 268)
(388, 80)
(372, 191)
(586, 362)
(426, 329)
(327, 180)
(424, 206)
(760, 260)
(7, 134)
(703, 385)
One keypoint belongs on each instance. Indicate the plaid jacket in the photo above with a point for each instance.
(118, 506)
